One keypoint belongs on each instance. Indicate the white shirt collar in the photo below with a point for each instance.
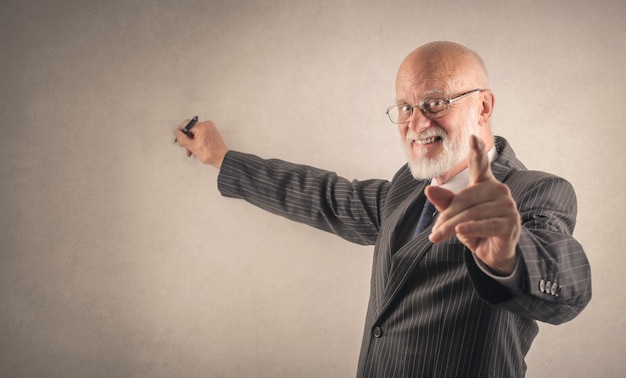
(460, 181)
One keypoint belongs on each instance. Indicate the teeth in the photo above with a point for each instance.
(426, 141)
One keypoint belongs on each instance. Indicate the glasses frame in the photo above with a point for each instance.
(425, 112)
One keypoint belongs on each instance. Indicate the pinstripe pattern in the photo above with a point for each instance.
(432, 312)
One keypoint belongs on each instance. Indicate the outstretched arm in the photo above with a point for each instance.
(534, 232)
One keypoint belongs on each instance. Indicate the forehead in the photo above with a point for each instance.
(421, 76)
(413, 86)
(414, 92)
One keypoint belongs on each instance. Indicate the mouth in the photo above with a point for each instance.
(429, 140)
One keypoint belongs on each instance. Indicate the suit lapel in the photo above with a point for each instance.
(407, 193)
(506, 160)
(403, 263)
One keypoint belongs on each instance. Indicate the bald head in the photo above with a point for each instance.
(443, 64)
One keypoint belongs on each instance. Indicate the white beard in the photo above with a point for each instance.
(454, 151)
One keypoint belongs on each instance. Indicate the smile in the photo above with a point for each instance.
(427, 140)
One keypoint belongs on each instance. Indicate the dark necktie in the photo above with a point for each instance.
(425, 218)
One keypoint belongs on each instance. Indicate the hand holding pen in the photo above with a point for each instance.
(187, 129)
(205, 142)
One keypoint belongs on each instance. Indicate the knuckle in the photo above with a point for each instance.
(502, 189)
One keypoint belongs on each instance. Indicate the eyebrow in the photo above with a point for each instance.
(440, 93)
(437, 91)
(399, 101)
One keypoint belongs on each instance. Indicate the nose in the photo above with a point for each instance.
(418, 120)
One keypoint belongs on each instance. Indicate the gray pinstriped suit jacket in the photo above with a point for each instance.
(432, 312)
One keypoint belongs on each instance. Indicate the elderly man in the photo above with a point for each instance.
(471, 248)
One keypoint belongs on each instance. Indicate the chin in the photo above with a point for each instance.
(427, 168)
(452, 155)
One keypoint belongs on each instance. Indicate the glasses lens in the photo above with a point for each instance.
(432, 109)
(399, 113)
(435, 108)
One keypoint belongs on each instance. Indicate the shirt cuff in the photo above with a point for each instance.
(512, 282)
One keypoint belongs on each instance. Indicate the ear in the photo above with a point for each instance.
(487, 102)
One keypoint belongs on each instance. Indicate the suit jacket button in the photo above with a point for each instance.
(542, 286)
(554, 288)
(378, 332)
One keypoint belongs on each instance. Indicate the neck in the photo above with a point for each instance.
(451, 173)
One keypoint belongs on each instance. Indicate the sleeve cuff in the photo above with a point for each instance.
(512, 282)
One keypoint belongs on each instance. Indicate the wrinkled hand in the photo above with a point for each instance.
(483, 216)
(207, 144)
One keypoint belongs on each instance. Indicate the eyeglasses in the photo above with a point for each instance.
(431, 108)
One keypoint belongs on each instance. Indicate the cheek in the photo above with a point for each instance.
(403, 129)
(451, 125)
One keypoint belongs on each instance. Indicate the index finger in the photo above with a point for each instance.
(184, 128)
(479, 167)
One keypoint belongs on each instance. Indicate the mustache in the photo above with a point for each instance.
(433, 131)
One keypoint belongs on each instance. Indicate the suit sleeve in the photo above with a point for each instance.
(557, 276)
(319, 198)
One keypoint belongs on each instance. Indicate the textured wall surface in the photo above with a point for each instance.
(119, 258)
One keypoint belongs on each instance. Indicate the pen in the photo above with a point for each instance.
(188, 127)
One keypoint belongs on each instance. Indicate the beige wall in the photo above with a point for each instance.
(118, 257)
